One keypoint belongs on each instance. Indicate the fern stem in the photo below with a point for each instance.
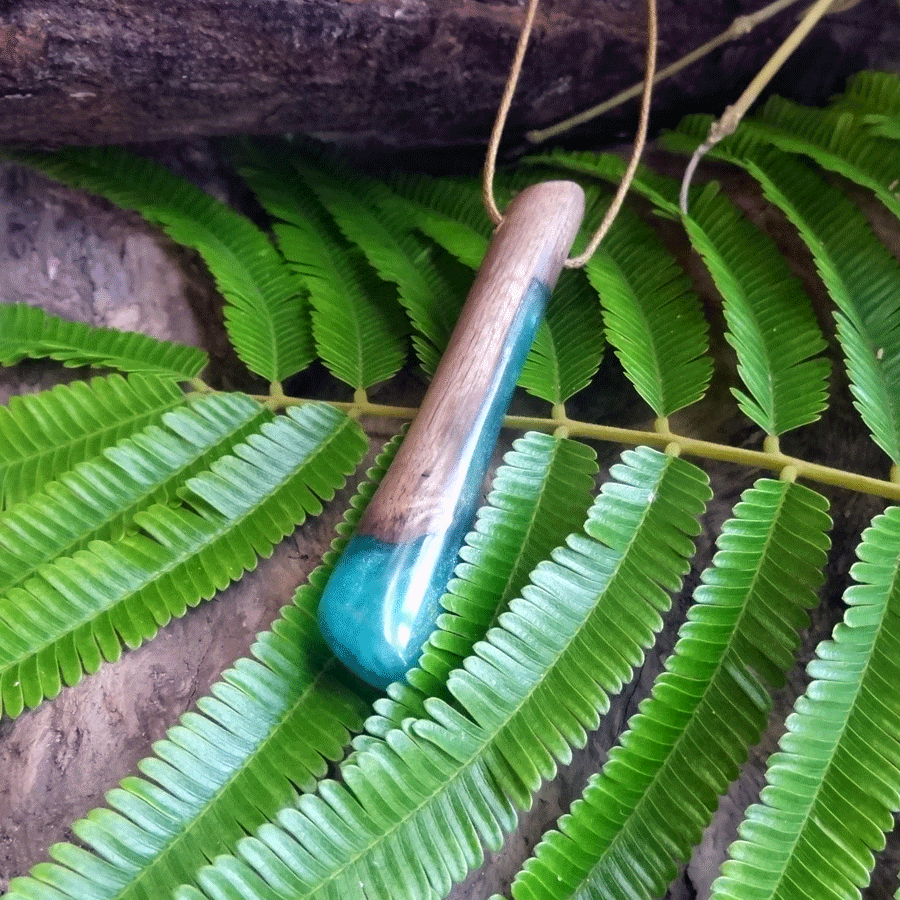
(740, 27)
(728, 122)
(662, 436)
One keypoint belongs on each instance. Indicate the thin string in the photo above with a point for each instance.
(490, 162)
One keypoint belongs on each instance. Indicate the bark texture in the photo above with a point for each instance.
(391, 73)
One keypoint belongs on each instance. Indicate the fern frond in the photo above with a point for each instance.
(450, 211)
(836, 779)
(433, 324)
(875, 98)
(568, 346)
(359, 329)
(538, 498)
(264, 735)
(410, 815)
(770, 320)
(265, 312)
(609, 167)
(29, 332)
(621, 840)
(871, 92)
(835, 140)
(43, 435)
(774, 335)
(371, 217)
(861, 275)
(652, 316)
(97, 500)
(863, 279)
(81, 609)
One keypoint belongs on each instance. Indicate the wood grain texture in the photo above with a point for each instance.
(393, 73)
(420, 491)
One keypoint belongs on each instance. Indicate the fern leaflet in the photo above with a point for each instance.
(450, 211)
(876, 93)
(861, 275)
(265, 313)
(741, 633)
(836, 779)
(875, 98)
(43, 435)
(776, 337)
(79, 610)
(97, 500)
(652, 317)
(29, 332)
(357, 325)
(568, 347)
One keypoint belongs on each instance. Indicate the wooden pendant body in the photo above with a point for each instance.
(382, 600)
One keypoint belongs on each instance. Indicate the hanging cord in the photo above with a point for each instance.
(731, 118)
(490, 163)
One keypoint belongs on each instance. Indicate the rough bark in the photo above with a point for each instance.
(393, 73)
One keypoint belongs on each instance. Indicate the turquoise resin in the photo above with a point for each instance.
(383, 599)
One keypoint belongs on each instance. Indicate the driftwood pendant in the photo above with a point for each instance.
(383, 598)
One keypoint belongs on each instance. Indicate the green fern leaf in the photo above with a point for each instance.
(433, 324)
(836, 779)
(223, 772)
(609, 167)
(81, 609)
(27, 331)
(568, 347)
(359, 329)
(539, 496)
(265, 312)
(450, 211)
(97, 500)
(741, 633)
(371, 217)
(835, 140)
(652, 316)
(218, 774)
(861, 275)
(877, 93)
(875, 98)
(43, 435)
(775, 337)
(413, 809)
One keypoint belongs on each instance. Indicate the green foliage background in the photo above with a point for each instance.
(128, 498)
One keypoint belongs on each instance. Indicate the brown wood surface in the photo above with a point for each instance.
(395, 73)
(420, 491)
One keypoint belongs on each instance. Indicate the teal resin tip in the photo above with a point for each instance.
(382, 602)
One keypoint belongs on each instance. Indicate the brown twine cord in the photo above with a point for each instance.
(490, 162)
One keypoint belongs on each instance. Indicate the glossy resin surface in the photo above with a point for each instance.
(383, 598)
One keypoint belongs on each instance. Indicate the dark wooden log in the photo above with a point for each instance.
(396, 73)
